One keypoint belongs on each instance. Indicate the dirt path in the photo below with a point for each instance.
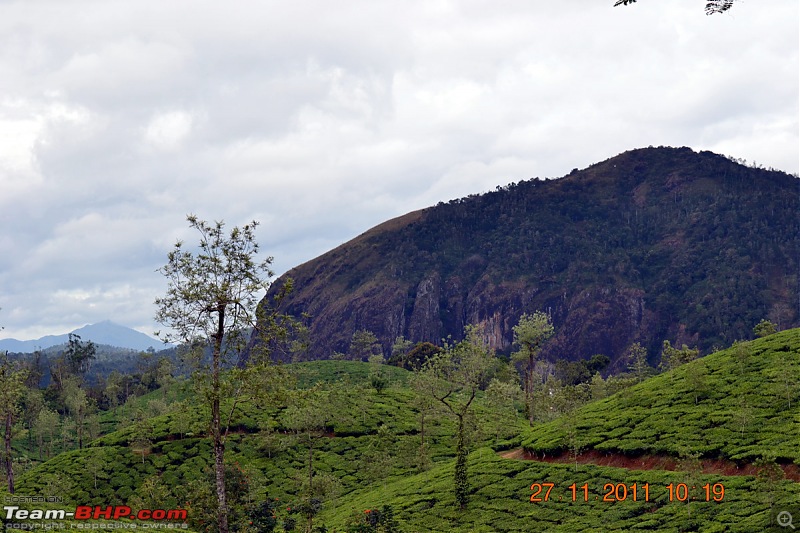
(647, 462)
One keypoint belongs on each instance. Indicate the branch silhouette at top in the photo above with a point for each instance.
(712, 6)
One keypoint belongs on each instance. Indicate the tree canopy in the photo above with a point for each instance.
(211, 304)
(530, 334)
(453, 378)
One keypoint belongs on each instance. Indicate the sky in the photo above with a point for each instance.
(322, 119)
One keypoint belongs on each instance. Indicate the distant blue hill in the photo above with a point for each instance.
(105, 332)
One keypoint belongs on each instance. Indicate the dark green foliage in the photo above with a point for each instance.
(417, 357)
(653, 244)
(373, 521)
(263, 516)
(460, 478)
(574, 373)
(764, 328)
(378, 381)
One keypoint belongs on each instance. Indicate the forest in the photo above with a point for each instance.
(652, 244)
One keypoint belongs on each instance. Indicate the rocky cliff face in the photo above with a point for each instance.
(653, 244)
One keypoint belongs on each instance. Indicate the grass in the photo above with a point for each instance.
(500, 500)
(746, 406)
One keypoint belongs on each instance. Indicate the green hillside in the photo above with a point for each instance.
(366, 438)
(741, 403)
(501, 492)
(366, 455)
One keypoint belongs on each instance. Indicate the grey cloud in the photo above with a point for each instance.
(119, 118)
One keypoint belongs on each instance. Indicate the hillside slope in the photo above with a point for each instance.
(653, 244)
(738, 404)
(368, 455)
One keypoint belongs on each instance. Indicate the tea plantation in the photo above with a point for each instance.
(370, 472)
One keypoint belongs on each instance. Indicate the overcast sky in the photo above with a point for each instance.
(322, 119)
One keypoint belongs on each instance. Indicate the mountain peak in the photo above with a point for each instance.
(651, 244)
(104, 332)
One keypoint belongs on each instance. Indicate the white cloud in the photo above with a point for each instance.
(166, 131)
(119, 118)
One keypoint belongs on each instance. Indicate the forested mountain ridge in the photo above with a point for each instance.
(653, 244)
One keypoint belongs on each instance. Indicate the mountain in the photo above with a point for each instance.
(105, 332)
(652, 244)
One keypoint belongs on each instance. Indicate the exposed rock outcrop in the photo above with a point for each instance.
(654, 244)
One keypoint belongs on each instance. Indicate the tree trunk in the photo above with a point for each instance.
(529, 389)
(422, 433)
(461, 482)
(8, 461)
(216, 427)
(310, 524)
(79, 421)
(219, 467)
(30, 437)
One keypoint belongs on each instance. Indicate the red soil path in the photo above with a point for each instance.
(647, 462)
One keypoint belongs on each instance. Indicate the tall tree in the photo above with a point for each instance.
(453, 378)
(46, 429)
(672, 357)
(530, 334)
(211, 304)
(164, 374)
(696, 380)
(502, 398)
(12, 389)
(77, 403)
(637, 362)
(363, 344)
(400, 347)
(308, 417)
(79, 355)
